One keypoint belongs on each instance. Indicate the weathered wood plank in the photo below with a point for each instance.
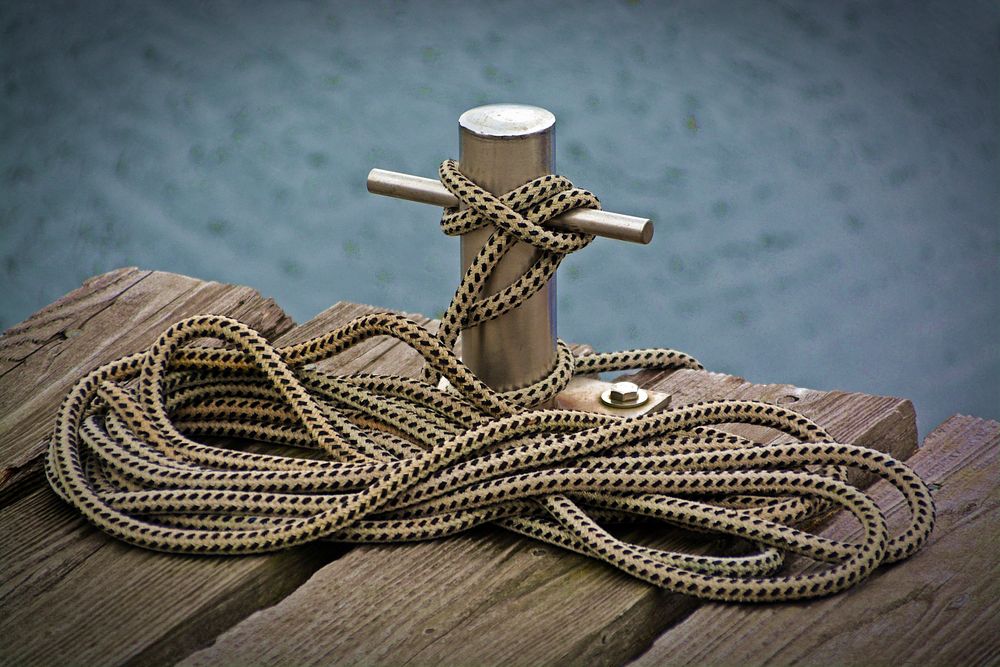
(881, 422)
(109, 316)
(71, 595)
(369, 356)
(56, 321)
(494, 598)
(941, 607)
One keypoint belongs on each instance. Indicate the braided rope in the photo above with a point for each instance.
(371, 458)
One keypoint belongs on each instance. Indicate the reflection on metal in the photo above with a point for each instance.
(502, 146)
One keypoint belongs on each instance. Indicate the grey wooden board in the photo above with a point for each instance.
(940, 607)
(71, 595)
(494, 598)
(110, 315)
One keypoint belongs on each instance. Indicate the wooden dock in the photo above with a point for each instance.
(69, 595)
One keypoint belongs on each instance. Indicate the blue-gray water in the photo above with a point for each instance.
(824, 176)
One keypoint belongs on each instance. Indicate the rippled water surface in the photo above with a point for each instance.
(824, 176)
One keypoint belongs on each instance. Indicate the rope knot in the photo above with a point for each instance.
(518, 215)
(521, 212)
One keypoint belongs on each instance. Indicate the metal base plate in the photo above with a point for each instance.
(583, 393)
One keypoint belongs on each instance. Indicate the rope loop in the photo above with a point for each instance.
(518, 215)
(142, 446)
(521, 212)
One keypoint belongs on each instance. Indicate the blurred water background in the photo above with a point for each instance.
(824, 176)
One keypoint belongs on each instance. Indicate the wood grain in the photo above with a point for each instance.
(493, 598)
(940, 607)
(109, 316)
(71, 595)
(880, 422)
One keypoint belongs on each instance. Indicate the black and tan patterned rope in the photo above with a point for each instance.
(370, 458)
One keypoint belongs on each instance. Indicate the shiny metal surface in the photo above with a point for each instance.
(584, 394)
(624, 392)
(502, 146)
(624, 395)
(431, 191)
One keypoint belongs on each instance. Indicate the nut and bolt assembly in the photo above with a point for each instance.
(624, 395)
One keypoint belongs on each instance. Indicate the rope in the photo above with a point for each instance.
(371, 458)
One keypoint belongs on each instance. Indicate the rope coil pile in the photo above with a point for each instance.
(392, 459)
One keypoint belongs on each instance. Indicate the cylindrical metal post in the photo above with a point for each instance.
(502, 146)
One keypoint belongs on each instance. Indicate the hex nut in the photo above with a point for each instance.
(625, 393)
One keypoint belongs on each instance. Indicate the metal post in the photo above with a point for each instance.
(502, 146)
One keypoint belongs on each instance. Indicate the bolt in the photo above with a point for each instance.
(624, 393)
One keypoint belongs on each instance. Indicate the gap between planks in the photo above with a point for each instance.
(489, 597)
(71, 594)
(80, 563)
(940, 607)
(109, 316)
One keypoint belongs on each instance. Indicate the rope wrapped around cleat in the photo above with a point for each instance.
(372, 458)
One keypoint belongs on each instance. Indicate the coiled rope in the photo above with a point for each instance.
(391, 459)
